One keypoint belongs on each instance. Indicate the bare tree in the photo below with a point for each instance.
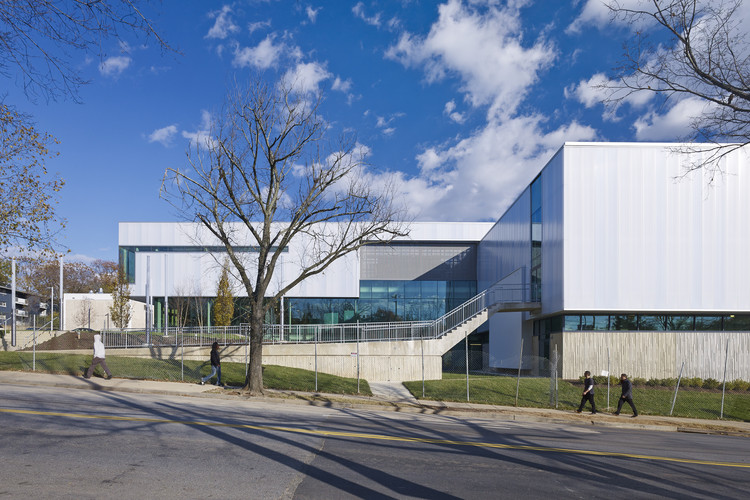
(180, 302)
(37, 38)
(709, 59)
(83, 314)
(267, 176)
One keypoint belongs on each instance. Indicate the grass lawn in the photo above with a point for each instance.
(274, 377)
(535, 392)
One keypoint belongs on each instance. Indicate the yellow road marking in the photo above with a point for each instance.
(380, 437)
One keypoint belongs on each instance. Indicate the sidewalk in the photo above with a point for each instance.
(398, 403)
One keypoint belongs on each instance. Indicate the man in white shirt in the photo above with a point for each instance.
(98, 358)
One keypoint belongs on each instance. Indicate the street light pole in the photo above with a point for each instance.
(51, 308)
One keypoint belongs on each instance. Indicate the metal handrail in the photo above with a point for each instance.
(498, 293)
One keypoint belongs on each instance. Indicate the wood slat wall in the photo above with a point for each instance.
(657, 354)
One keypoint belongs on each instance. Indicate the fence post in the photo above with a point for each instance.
(182, 355)
(557, 361)
(608, 360)
(466, 346)
(33, 363)
(724, 384)
(677, 387)
(357, 356)
(317, 332)
(421, 341)
(518, 379)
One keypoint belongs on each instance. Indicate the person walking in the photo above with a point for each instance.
(215, 365)
(98, 358)
(627, 395)
(588, 393)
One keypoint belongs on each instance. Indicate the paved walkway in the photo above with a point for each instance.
(390, 397)
(393, 392)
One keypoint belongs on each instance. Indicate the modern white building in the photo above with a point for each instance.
(636, 265)
(623, 239)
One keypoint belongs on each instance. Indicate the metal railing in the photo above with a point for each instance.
(501, 292)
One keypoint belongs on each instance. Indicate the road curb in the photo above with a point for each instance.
(342, 402)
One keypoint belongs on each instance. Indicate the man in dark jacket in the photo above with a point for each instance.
(215, 365)
(588, 393)
(627, 395)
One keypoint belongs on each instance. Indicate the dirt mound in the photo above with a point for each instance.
(67, 340)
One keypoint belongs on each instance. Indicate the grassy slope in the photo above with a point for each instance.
(535, 392)
(274, 377)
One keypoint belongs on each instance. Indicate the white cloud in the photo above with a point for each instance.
(359, 11)
(342, 85)
(450, 111)
(483, 49)
(478, 176)
(384, 124)
(312, 14)
(598, 14)
(306, 77)
(675, 124)
(114, 66)
(253, 27)
(599, 88)
(202, 136)
(163, 135)
(223, 26)
(262, 56)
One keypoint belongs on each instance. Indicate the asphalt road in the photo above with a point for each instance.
(67, 443)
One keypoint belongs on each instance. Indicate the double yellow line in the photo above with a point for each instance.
(379, 437)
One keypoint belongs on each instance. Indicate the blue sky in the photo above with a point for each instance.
(462, 101)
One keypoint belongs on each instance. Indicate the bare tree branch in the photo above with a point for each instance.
(707, 57)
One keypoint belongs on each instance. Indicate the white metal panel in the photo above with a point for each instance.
(198, 273)
(507, 246)
(552, 235)
(640, 235)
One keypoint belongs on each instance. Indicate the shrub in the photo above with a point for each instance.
(738, 385)
(639, 381)
(711, 383)
(652, 382)
(694, 382)
(668, 382)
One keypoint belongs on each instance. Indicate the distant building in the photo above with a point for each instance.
(27, 305)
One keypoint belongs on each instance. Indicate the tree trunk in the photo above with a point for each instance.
(254, 381)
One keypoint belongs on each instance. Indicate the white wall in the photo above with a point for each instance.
(197, 274)
(98, 304)
(640, 236)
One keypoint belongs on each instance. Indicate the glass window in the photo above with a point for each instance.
(429, 289)
(442, 289)
(395, 289)
(624, 322)
(601, 323)
(680, 323)
(379, 289)
(572, 323)
(412, 290)
(365, 289)
(708, 323)
(652, 323)
(737, 323)
(587, 323)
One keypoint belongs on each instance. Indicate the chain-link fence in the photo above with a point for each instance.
(465, 373)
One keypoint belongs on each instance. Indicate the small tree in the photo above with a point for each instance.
(224, 304)
(83, 315)
(267, 175)
(120, 310)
